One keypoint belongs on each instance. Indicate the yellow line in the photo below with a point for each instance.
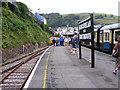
(45, 72)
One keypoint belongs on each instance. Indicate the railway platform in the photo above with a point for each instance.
(58, 68)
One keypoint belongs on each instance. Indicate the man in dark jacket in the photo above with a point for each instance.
(53, 41)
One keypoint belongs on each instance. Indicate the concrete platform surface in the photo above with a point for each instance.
(65, 70)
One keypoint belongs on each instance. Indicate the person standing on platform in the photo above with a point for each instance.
(117, 46)
(74, 45)
(65, 41)
(69, 40)
(77, 41)
(61, 41)
(57, 40)
(53, 41)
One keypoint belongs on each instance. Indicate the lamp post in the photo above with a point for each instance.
(67, 30)
(30, 12)
(39, 10)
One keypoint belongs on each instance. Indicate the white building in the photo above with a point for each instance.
(45, 20)
(67, 30)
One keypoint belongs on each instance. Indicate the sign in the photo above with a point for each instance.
(86, 36)
(85, 25)
(85, 29)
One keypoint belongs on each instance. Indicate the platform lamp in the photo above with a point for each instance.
(30, 12)
(67, 30)
(39, 10)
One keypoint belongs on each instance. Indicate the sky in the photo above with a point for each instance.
(73, 6)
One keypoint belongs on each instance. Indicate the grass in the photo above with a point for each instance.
(20, 29)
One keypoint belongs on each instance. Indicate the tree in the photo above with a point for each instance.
(46, 26)
(99, 16)
(70, 19)
(54, 20)
(111, 15)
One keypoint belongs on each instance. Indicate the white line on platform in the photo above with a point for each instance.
(31, 75)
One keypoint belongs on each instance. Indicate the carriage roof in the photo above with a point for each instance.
(111, 27)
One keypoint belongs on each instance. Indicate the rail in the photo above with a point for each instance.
(16, 72)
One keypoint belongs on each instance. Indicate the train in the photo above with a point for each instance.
(105, 37)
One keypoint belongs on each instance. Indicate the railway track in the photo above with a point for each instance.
(16, 72)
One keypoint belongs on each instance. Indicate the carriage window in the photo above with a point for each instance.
(95, 36)
(101, 36)
(116, 35)
(106, 36)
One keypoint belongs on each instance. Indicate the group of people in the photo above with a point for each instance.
(71, 42)
(58, 41)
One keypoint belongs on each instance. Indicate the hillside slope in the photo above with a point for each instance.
(58, 20)
(21, 32)
(100, 18)
(18, 27)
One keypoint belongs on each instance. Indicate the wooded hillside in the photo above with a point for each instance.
(57, 20)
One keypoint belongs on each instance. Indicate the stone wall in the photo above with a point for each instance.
(8, 54)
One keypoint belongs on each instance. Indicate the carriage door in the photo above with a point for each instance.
(106, 44)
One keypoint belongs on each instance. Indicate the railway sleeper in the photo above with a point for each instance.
(12, 80)
(21, 74)
(27, 68)
(22, 71)
(10, 86)
(16, 77)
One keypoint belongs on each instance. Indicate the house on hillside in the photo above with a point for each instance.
(40, 17)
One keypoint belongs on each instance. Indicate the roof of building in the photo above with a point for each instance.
(41, 18)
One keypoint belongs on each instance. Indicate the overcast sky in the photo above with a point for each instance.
(73, 6)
